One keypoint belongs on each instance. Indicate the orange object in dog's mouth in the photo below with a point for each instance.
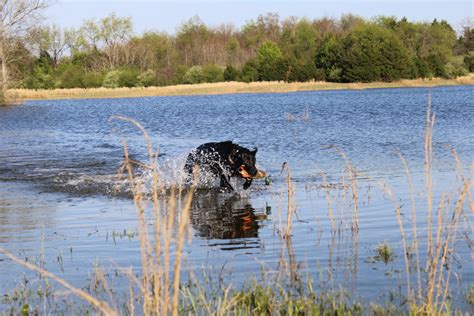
(246, 175)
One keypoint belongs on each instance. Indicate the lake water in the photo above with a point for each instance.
(59, 196)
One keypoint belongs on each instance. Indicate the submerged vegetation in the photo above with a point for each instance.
(159, 287)
(385, 252)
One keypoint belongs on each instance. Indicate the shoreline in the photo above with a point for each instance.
(21, 95)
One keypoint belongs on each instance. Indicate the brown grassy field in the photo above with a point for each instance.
(19, 95)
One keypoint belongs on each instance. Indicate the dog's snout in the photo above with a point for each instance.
(252, 170)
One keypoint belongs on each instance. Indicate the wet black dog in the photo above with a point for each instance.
(224, 160)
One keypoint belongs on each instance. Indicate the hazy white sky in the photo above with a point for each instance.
(166, 15)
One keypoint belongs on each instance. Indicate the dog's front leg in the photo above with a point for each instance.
(225, 183)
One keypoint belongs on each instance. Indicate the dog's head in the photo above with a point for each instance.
(242, 161)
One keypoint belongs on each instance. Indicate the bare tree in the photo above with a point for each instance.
(55, 41)
(16, 18)
(110, 34)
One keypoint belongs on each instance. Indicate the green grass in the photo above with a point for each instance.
(385, 253)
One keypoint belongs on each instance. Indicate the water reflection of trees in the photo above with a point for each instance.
(217, 216)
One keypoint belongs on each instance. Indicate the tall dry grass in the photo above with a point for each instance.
(225, 88)
(432, 281)
(161, 276)
(102, 306)
(427, 291)
(431, 296)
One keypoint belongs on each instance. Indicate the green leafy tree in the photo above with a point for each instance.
(128, 77)
(71, 76)
(430, 45)
(250, 71)
(212, 73)
(41, 76)
(469, 61)
(93, 79)
(20, 63)
(231, 73)
(179, 75)
(104, 51)
(372, 53)
(328, 58)
(465, 43)
(112, 79)
(456, 67)
(436, 64)
(271, 64)
(194, 75)
(299, 39)
(303, 70)
(233, 50)
(146, 78)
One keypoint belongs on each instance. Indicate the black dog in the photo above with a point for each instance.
(225, 160)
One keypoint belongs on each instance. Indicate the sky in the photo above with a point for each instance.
(167, 16)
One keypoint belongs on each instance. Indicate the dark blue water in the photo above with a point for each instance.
(59, 160)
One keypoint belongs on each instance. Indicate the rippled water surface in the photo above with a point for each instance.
(60, 197)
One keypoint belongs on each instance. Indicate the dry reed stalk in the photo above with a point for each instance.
(413, 217)
(100, 274)
(464, 195)
(433, 262)
(131, 298)
(279, 206)
(305, 116)
(429, 175)
(354, 186)
(437, 282)
(100, 305)
(290, 206)
(459, 168)
(328, 199)
(145, 246)
(291, 258)
(465, 79)
(183, 222)
(290, 117)
(168, 238)
(160, 292)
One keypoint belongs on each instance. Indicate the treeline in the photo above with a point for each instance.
(105, 53)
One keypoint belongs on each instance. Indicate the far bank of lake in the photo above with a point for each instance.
(19, 95)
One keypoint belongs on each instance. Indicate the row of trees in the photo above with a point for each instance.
(106, 52)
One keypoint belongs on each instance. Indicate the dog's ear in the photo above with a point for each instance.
(254, 151)
(233, 156)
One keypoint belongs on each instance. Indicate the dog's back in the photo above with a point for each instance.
(210, 155)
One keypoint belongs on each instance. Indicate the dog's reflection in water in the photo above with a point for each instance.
(216, 216)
